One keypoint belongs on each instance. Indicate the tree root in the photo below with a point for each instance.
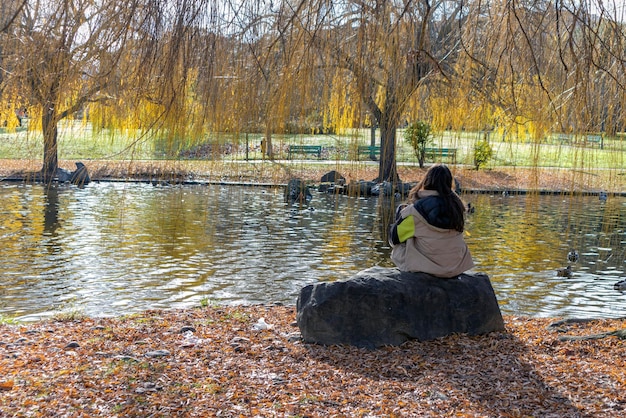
(558, 326)
(571, 321)
(621, 334)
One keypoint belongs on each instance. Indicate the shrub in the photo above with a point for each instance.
(482, 153)
(418, 135)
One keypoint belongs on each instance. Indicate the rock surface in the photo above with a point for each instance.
(298, 192)
(384, 306)
(333, 176)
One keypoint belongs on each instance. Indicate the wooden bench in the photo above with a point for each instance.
(305, 149)
(370, 150)
(564, 139)
(594, 139)
(439, 153)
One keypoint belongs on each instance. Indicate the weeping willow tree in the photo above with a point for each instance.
(9, 12)
(529, 68)
(185, 68)
(384, 49)
(126, 64)
(533, 68)
(163, 79)
(60, 57)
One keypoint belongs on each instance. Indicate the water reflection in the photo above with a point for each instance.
(114, 248)
(521, 241)
(51, 210)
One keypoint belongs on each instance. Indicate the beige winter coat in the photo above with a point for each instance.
(437, 251)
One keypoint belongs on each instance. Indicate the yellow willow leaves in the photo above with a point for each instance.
(341, 112)
(8, 115)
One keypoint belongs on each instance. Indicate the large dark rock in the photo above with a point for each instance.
(387, 188)
(360, 188)
(80, 177)
(383, 306)
(333, 177)
(297, 192)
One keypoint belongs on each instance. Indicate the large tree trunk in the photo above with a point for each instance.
(387, 169)
(50, 136)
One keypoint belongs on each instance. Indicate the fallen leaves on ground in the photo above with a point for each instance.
(214, 361)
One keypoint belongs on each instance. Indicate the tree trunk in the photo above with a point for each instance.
(268, 144)
(50, 136)
(372, 142)
(387, 169)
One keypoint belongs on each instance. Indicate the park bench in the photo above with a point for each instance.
(594, 139)
(440, 153)
(564, 139)
(370, 150)
(305, 149)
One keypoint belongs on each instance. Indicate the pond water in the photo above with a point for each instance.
(117, 248)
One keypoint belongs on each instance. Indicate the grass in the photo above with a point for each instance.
(78, 141)
(6, 320)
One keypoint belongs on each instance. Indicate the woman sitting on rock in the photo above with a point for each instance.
(427, 235)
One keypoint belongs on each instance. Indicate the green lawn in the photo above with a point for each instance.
(78, 141)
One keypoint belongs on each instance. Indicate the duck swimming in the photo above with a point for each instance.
(564, 272)
(621, 285)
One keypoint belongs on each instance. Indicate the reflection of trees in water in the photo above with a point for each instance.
(385, 210)
(609, 230)
(120, 241)
(595, 229)
(51, 209)
(522, 232)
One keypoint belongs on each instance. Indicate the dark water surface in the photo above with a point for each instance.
(118, 248)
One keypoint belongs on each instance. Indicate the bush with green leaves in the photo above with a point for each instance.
(482, 153)
(418, 135)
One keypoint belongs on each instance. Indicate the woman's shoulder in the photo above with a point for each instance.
(429, 202)
(434, 210)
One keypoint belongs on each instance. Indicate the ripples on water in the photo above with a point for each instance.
(114, 248)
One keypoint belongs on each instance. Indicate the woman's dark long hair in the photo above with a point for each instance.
(439, 178)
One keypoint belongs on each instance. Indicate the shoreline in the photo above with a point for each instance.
(512, 192)
(511, 180)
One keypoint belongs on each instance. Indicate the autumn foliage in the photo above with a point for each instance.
(213, 362)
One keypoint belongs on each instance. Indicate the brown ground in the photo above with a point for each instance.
(499, 179)
(209, 362)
